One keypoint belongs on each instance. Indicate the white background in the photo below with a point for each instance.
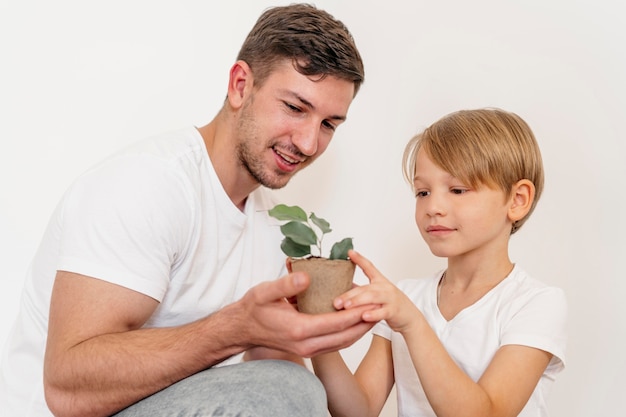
(79, 80)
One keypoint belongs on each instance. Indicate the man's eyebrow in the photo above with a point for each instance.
(310, 105)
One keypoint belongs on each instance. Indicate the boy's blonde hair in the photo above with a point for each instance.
(489, 147)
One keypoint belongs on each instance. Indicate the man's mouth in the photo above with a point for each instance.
(289, 159)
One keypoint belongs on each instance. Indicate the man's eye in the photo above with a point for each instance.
(292, 107)
(329, 125)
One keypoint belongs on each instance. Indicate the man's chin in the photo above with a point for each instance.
(277, 181)
(275, 185)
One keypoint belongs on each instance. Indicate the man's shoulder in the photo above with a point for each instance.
(172, 144)
(175, 153)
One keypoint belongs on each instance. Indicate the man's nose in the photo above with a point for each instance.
(307, 139)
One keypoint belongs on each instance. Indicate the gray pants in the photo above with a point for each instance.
(264, 388)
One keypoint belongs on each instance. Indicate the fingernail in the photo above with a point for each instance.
(298, 280)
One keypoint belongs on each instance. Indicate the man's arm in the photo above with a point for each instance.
(99, 360)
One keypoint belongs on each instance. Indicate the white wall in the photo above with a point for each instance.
(81, 79)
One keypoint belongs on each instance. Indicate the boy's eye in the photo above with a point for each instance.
(458, 191)
(419, 194)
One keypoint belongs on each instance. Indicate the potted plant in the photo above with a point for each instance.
(330, 276)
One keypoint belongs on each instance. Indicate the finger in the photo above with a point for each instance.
(336, 341)
(338, 321)
(375, 314)
(360, 297)
(362, 262)
(339, 301)
(285, 287)
(330, 331)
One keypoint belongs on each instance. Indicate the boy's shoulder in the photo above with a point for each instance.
(521, 289)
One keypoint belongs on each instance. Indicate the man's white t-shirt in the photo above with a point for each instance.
(153, 218)
(520, 310)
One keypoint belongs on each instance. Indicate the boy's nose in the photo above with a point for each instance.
(435, 206)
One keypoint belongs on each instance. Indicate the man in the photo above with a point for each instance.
(160, 265)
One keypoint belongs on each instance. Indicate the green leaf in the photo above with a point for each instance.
(293, 249)
(299, 233)
(321, 223)
(340, 249)
(284, 212)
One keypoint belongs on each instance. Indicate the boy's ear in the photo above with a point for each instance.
(522, 197)
(239, 83)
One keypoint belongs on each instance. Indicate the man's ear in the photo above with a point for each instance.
(522, 197)
(239, 83)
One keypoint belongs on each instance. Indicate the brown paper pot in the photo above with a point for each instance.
(329, 278)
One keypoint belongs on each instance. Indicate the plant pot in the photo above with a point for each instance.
(329, 279)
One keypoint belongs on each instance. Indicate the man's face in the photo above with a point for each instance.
(288, 122)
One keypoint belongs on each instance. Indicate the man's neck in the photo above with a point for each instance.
(237, 183)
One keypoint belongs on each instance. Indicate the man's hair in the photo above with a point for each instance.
(315, 42)
(489, 147)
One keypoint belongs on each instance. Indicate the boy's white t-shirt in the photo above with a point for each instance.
(520, 310)
(153, 218)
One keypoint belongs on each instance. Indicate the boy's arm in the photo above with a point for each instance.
(364, 393)
(502, 391)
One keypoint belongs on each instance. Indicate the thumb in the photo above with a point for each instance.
(285, 287)
(295, 283)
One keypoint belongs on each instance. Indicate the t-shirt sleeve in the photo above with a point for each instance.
(126, 222)
(540, 323)
(382, 329)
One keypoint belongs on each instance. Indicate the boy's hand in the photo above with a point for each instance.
(391, 304)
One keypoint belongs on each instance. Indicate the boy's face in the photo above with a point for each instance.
(455, 219)
(288, 122)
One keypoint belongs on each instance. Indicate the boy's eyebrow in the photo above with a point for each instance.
(449, 177)
(310, 105)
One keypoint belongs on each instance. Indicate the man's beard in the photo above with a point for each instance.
(249, 157)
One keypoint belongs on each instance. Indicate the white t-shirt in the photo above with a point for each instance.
(153, 218)
(520, 310)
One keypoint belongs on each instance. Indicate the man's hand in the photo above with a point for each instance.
(271, 321)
